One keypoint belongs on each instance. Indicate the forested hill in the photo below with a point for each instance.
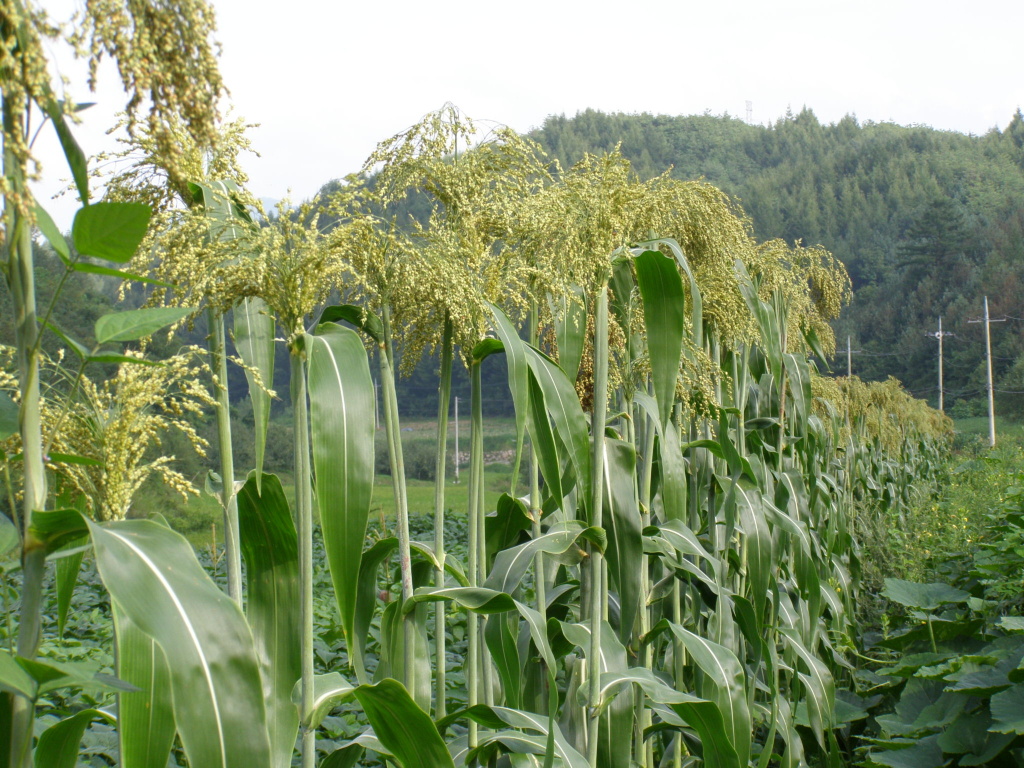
(926, 221)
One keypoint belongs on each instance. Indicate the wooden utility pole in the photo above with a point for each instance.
(988, 361)
(849, 359)
(939, 335)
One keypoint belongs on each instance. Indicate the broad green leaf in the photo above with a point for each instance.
(270, 549)
(66, 579)
(111, 231)
(58, 745)
(218, 699)
(518, 377)
(329, 691)
(724, 682)
(511, 565)
(563, 406)
(52, 234)
(476, 599)
(494, 717)
(14, 679)
(569, 315)
(137, 323)
(254, 340)
(922, 753)
(505, 525)
(341, 400)
(361, 317)
(696, 300)
(665, 322)
(1008, 710)
(405, 730)
(758, 551)
(56, 529)
(819, 686)
(501, 633)
(546, 449)
(146, 725)
(703, 716)
(927, 597)
(366, 595)
(625, 542)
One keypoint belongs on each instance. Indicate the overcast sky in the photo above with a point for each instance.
(327, 81)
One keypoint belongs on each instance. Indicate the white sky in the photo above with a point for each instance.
(327, 80)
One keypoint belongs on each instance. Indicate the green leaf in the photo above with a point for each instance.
(518, 373)
(56, 529)
(96, 269)
(361, 317)
(329, 691)
(14, 679)
(625, 542)
(665, 322)
(404, 729)
(923, 753)
(9, 537)
(123, 360)
(72, 152)
(270, 549)
(137, 323)
(566, 413)
(58, 745)
(254, 340)
(111, 231)
(9, 424)
(570, 319)
(52, 234)
(927, 597)
(1008, 711)
(341, 406)
(703, 716)
(724, 682)
(501, 633)
(154, 576)
(66, 579)
(78, 348)
(146, 725)
(504, 526)
(511, 565)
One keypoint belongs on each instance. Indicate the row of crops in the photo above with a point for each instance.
(676, 581)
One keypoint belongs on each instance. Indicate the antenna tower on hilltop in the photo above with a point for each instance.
(750, 112)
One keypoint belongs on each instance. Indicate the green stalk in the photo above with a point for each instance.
(475, 534)
(394, 435)
(304, 513)
(228, 500)
(477, 489)
(540, 587)
(597, 593)
(21, 282)
(645, 750)
(444, 395)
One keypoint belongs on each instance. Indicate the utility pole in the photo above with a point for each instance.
(849, 358)
(376, 405)
(939, 335)
(988, 361)
(456, 439)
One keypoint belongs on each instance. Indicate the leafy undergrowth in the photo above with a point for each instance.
(949, 686)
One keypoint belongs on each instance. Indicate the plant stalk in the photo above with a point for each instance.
(444, 394)
(304, 513)
(475, 534)
(229, 502)
(394, 435)
(597, 594)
